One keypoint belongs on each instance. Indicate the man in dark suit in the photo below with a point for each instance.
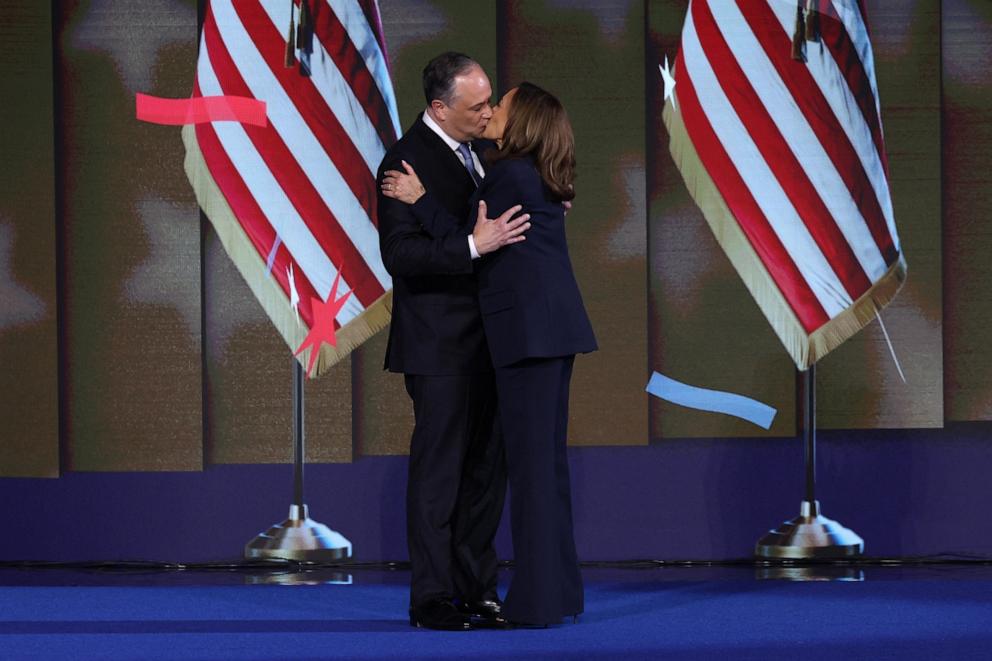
(457, 475)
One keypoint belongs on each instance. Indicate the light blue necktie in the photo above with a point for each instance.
(466, 153)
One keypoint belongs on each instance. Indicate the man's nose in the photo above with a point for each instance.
(487, 112)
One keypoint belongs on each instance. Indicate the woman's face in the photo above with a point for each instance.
(494, 129)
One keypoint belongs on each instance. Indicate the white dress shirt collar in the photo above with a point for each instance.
(451, 142)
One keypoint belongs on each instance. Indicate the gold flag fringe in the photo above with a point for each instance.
(805, 349)
(266, 289)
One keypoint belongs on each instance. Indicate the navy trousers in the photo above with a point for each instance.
(533, 407)
(456, 487)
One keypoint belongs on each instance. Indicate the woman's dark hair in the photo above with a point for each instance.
(440, 73)
(537, 125)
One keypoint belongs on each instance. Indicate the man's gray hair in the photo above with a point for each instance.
(440, 74)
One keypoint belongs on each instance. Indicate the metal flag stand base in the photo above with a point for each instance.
(299, 537)
(810, 535)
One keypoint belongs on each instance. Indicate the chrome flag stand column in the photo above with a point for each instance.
(810, 535)
(299, 537)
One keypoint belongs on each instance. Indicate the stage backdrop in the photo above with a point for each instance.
(141, 380)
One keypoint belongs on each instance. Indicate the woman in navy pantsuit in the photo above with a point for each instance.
(535, 323)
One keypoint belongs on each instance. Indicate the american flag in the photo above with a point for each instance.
(774, 121)
(293, 202)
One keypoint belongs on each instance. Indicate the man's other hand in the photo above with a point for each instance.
(491, 234)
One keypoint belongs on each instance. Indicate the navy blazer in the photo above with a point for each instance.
(530, 301)
(436, 327)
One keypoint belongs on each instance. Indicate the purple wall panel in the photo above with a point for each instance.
(907, 493)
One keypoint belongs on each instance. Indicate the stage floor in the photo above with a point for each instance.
(932, 612)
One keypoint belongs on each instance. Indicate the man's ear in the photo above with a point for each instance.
(440, 110)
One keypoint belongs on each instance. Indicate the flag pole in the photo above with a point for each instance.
(299, 537)
(810, 535)
(808, 398)
(299, 451)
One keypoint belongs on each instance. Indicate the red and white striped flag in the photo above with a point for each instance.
(294, 201)
(785, 157)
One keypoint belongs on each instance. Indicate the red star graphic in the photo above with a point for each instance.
(322, 329)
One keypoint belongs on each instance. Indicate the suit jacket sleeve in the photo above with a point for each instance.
(436, 220)
(407, 248)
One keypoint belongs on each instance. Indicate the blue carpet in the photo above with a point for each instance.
(632, 615)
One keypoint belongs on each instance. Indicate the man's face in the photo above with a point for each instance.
(469, 113)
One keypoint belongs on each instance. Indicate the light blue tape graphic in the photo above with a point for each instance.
(272, 255)
(711, 400)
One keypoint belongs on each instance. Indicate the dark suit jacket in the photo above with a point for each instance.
(436, 327)
(531, 304)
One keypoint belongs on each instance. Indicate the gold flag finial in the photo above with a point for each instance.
(799, 36)
(812, 20)
(290, 58)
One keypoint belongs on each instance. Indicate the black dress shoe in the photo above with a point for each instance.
(439, 614)
(487, 613)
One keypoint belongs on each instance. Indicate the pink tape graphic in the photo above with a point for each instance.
(200, 110)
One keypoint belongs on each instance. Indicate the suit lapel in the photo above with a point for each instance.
(447, 158)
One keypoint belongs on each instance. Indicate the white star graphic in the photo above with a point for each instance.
(666, 74)
(294, 296)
